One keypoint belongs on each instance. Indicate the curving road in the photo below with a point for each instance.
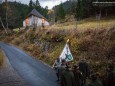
(36, 73)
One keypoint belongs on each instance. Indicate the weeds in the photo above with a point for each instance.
(96, 44)
(1, 58)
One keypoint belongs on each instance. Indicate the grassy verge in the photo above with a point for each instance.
(95, 44)
(89, 23)
(1, 58)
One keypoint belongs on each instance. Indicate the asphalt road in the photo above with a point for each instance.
(36, 73)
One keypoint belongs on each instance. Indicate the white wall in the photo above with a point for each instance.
(24, 23)
(40, 22)
(30, 21)
(46, 23)
(35, 20)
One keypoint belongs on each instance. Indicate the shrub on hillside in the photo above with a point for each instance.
(8, 39)
(17, 41)
(96, 45)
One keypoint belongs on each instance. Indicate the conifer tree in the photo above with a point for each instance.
(60, 14)
(38, 7)
(78, 10)
(31, 5)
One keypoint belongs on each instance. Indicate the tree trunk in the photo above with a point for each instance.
(106, 13)
(6, 14)
(3, 25)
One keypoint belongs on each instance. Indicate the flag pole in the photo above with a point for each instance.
(67, 41)
(67, 44)
(67, 47)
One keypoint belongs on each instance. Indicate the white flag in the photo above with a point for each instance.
(66, 54)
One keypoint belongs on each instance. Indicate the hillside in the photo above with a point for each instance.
(1, 58)
(94, 43)
(88, 23)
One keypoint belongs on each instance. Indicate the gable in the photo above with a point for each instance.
(35, 13)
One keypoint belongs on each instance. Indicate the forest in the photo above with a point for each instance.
(83, 9)
(12, 14)
(16, 12)
(89, 28)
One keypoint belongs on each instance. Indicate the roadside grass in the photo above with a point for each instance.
(17, 29)
(89, 23)
(1, 58)
(92, 39)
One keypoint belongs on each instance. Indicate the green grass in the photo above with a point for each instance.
(1, 58)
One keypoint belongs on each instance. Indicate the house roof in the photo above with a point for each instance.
(35, 13)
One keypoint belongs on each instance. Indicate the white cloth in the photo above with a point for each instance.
(66, 54)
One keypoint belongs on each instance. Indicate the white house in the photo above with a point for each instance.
(34, 18)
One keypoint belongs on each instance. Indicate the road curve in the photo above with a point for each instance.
(36, 73)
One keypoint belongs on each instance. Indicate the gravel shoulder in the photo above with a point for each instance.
(9, 77)
(25, 68)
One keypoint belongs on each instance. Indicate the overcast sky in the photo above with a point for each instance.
(0, 1)
(43, 3)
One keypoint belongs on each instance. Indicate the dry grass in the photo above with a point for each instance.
(89, 23)
(17, 29)
(1, 58)
(96, 44)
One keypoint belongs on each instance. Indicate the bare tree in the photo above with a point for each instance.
(3, 25)
(5, 28)
(6, 13)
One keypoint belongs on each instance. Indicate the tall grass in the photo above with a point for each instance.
(1, 58)
(89, 23)
(93, 40)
